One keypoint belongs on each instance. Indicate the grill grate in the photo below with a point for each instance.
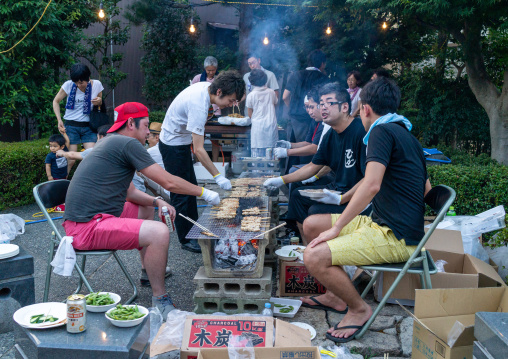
(229, 228)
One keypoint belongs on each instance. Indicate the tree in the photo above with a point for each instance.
(479, 27)
(96, 48)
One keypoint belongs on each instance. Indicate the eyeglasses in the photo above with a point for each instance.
(328, 104)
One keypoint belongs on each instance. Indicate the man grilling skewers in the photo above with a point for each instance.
(183, 127)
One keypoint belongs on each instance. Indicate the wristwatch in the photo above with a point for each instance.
(154, 203)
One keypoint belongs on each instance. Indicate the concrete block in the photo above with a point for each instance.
(270, 252)
(480, 352)
(233, 287)
(229, 305)
(491, 330)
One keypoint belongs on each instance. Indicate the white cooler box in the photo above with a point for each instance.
(203, 174)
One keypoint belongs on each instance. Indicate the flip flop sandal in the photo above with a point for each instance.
(348, 339)
(322, 306)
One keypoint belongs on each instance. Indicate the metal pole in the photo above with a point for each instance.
(111, 45)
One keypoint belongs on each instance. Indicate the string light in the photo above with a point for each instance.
(328, 29)
(192, 28)
(101, 11)
(384, 25)
(265, 40)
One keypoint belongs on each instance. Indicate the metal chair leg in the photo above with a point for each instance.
(426, 274)
(83, 278)
(371, 283)
(48, 269)
(80, 283)
(131, 281)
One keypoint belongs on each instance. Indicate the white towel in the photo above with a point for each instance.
(65, 258)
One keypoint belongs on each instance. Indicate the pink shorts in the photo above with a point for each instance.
(105, 231)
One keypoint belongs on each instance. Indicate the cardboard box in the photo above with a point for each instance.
(266, 353)
(212, 332)
(437, 310)
(461, 271)
(295, 280)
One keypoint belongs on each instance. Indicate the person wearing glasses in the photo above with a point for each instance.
(341, 149)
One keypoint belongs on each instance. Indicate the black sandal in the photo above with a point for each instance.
(322, 306)
(348, 339)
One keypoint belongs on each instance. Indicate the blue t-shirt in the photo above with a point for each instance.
(314, 133)
(58, 166)
(345, 154)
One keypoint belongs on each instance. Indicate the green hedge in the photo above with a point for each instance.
(21, 168)
(478, 188)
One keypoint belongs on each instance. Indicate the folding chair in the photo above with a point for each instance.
(50, 194)
(439, 198)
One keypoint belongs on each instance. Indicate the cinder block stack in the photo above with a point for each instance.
(232, 295)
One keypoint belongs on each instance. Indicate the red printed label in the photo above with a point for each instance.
(299, 281)
(215, 333)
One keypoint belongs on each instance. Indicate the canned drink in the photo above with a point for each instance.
(76, 313)
(169, 223)
(269, 153)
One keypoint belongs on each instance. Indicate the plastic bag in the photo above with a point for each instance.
(65, 258)
(155, 322)
(335, 352)
(237, 121)
(240, 347)
(10, 226)
(440, 265)
(499, 255)
(454, 333)
(173, 331)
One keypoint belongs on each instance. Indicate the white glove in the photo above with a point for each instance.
(283, 144)
(210, 196)
(280, 152)
(330, 198)
(274, 182)
(222, 181)
(310, 180)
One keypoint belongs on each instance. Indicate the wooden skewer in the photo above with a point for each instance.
(262, 234)
(199, 225)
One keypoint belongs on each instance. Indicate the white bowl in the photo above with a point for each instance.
(128, 323)
(284, 254)
(104, 308)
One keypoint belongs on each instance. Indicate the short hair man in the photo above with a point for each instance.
(342, 150)
(254, 62)
(396, 183)
(380, 72)
(183, 127)
(103, 210)
(298, 85)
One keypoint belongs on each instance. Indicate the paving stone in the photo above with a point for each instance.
(333, 318)
(406, 336)
(390, 309)
(391, 331)
(382, 322)
(398, 318)
(6, 343)
(315, 318)
(373, 343)
(390, 358)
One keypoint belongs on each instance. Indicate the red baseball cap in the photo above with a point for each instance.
(126, 111)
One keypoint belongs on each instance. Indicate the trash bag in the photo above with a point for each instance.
(335, 352)
(10, 226)
(240, 347)
(440, 265)
(173, 331)
(499, 255)
(65, 258)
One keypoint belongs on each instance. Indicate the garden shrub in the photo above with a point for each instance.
(21, 168)
(157, 116)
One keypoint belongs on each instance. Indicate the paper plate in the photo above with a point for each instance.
(8, 250)
(293, 247)
(308, 327)
(56, 309)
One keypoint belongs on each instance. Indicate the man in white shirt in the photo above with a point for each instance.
(183, 132)
(254, 62)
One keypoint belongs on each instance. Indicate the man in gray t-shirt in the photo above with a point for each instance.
(105, 211)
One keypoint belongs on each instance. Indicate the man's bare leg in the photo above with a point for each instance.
(154, 237)
(318, 261)
(302, 234)
(144, 212)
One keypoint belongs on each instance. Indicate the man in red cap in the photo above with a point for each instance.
(105, 211)
(183, 127)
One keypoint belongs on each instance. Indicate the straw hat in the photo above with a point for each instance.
(155, 127)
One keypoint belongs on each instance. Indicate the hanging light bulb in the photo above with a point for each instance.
(328, 29)
(384, 25)
(192, 28)
(101, 11)
(265, 40)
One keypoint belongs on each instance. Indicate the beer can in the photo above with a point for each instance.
(269, 153)
(76, 313)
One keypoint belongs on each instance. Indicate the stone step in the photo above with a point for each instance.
(491, 330)
(253, 288)
(229, 305)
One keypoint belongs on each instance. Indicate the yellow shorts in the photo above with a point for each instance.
(363, 242)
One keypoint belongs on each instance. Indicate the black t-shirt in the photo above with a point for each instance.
(314, 134)
(399, 203)
(344, 153)
(299, 84)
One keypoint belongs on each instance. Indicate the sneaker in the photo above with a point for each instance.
(164, 304)
(192, 246)
(144, 277)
